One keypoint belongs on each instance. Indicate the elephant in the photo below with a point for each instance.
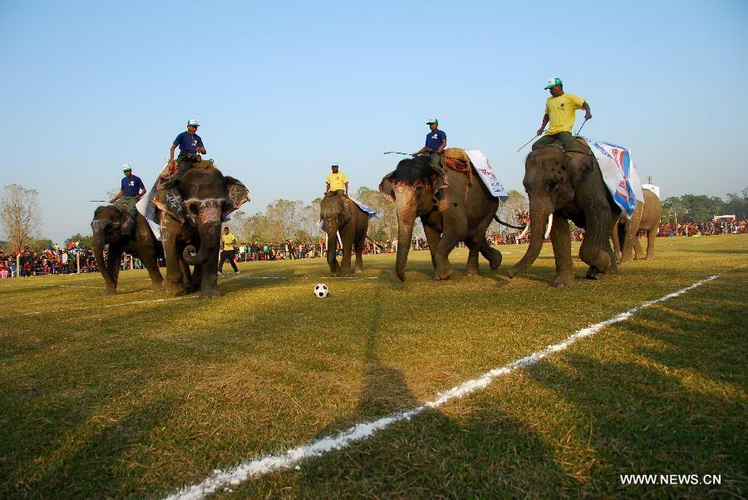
(570, 186)
(190, 214)
(645, 218)
(106, 225)
(462, 214)
(341, 215)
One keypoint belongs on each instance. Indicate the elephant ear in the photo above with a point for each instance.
(387, 186)
(580, 167)
(237, 195)
(169, 202)
(347, 210)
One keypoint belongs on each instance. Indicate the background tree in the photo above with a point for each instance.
(384, 226)
(20, 214)
(691, 207)
(736, 204)
(509, 212)
(84, 241)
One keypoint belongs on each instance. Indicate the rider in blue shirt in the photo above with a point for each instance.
(436, 141)
(132, 189)
(190, 145)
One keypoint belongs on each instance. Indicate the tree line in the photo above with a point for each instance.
(296, 221)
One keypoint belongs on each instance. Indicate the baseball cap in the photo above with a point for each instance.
(126, 167)
(193, 123)
(552, 82)
(335, 165)
(432, 120)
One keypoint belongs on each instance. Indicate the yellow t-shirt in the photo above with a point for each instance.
(561, 111)
(229, 241)
(336, 181)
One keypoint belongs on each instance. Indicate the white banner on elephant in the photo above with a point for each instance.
(619, 174)
(148, 209)
(485, 172)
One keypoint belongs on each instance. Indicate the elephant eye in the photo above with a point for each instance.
(552, 185)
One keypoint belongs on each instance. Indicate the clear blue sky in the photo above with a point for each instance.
(283, 89)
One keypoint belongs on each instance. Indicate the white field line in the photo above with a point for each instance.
(263, 465)
(103, 306)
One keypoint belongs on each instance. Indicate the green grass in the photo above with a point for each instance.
(139, 394)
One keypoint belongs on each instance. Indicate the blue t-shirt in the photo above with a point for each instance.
(131, 185)
(188, 143)
(434, 139)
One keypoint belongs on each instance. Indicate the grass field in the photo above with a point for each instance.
(140, 394)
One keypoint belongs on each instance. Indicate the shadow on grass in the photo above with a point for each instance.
(678, 406)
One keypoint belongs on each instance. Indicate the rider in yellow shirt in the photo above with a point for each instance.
(560, 111)
(336, 181)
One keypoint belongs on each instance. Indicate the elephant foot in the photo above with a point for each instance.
(471, 271)
(495, 264)
(443, 274)
(594, 273)
(209, 294)
(109, 291)
(564, 281)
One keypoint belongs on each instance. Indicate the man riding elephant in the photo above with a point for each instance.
(132, 189)
(190, 148)
(560, 111)
(436, 141)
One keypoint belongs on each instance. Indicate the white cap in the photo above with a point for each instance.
(126, 167)
(193, 123)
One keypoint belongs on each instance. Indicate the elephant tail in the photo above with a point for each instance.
(496, 218)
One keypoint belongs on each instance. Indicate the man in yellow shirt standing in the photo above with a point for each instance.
(228, 250)
(560, 111)
(336, 181)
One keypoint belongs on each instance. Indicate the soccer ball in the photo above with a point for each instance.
(321, 290)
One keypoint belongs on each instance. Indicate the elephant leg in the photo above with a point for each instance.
(114, 259)
(613, 269)
(345, 260)
(433, 237)
(359, 247)
(651, 236)
(491, 254)
(472, 261)
(107, 271)
(332, 250)
(188, 284)
(455, 228)
(595, 250)
(207, 276)
(176, 280)
(561, 242)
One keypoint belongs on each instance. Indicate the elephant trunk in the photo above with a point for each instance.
(406, 218)
(98, 249)
(210, 237)
(538, 226)
(331, 227)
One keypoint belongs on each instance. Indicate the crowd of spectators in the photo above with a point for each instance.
(77, 258)
(704, 228)
(52, 260)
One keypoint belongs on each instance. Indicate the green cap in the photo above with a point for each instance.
(432, 120)
(552, 82)
(126, 168)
